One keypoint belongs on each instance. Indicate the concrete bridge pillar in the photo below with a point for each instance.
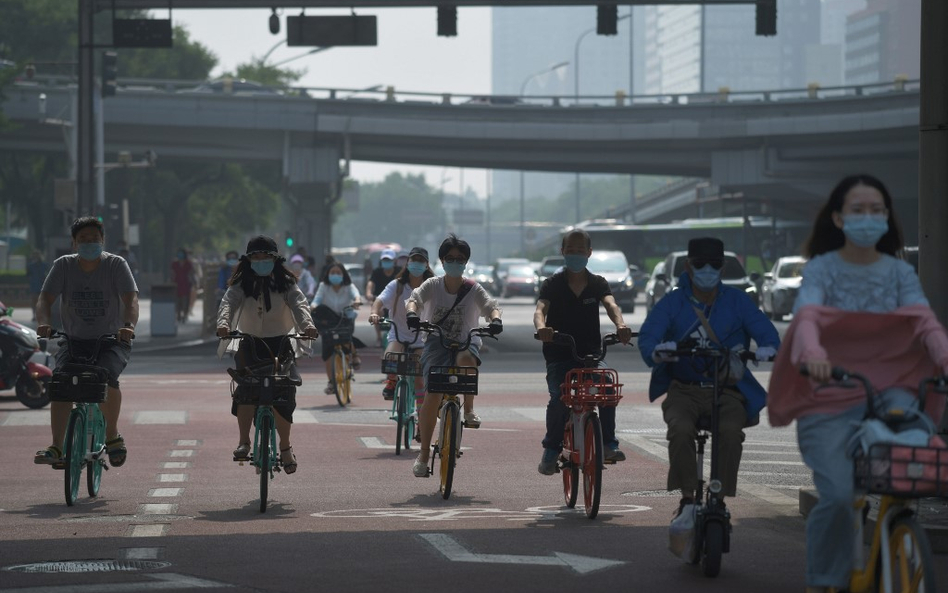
(313, 177)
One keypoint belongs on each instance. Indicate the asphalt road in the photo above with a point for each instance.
(182, 516)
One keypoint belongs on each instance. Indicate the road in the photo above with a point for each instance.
(182, 516)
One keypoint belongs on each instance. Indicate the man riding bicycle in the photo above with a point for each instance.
(99, 297)
(705, 310)
(569, 303)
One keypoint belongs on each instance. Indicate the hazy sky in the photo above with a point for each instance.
(409, 56)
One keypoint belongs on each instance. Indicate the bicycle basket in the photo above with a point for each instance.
(456, 380)
(79, 383)
(264, 390)
(591, 386)
(400, 363)
(901, 470)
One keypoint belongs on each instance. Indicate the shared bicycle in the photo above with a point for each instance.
(84, 384)
(343, 348)
(451, 382)
(267, 383)
(406, 366)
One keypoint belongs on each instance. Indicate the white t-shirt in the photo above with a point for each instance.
(397, 313)
(337, 301)
(432, 301)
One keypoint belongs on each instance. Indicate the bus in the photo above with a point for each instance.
(758, 241)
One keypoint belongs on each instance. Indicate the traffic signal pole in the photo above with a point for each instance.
(85, 170)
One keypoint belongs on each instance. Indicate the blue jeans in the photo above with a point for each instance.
(829, 526)
(557, 414)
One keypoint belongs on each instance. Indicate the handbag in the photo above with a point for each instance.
(735, 366)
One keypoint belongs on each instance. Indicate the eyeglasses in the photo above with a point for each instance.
(455, 260)
(700, 262)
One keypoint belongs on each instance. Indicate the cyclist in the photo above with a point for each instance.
(393, 298)
(336, 292)
(99, 296)
(569, 302)
(306, 281)
(454, 303)
(894, 340)
(264, 300)
(379, 279)
(704, 309)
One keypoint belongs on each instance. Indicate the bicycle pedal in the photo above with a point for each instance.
(608, 462)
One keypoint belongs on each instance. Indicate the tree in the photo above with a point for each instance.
(271, 76)
(402, 209)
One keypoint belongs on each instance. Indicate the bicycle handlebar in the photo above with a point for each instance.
(842, 377)
(239, 334)
(431, 328)
(690, 348)
(564, 339)
(397, 337)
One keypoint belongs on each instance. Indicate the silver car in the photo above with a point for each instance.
(780, 287)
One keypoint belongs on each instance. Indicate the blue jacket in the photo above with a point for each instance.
(733, 317)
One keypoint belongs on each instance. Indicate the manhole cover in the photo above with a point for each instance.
(651, 493)
(90, 566)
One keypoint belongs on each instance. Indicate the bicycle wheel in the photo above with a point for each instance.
(592, 465)
(75, 454)
(96, 444)
(570, 468)
(713, 548)
(409, 418)
(342, 379)
(263, 457)
(448, 450)
(910, 557)
(401, 395)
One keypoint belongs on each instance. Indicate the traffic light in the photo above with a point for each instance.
(607, 19)
(289, 240)
(109, 73)
(447, 21)
(766, 18)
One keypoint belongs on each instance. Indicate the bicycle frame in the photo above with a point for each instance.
(406, 368)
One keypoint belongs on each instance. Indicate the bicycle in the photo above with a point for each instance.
(583, 390)
(450, 381)
(900, 558)
(85, 385)
(267, 383)
(342, 373)
(406, 366)
(712, 519)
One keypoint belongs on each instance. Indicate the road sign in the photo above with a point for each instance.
(329, 31)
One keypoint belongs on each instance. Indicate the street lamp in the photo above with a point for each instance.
(263, 60)
(553, 68)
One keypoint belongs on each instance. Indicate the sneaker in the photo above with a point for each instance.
(388, 392)
(547, 465)
(613, 453)
(330, 389)
(419, 468)
(472, 420)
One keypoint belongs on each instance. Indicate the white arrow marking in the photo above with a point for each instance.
(166, 581)
(452, 550)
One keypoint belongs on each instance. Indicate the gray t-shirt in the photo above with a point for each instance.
(91, 303)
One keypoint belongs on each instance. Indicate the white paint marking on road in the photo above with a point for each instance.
(304, 417)
(161, 417)
(768, 462)
(157, 509)
(176, 465)
(163, 581)
(455, 552)
(164, 492)
(181, 453)
(141, 553)
(172, 477)
(377, 443)
(27, 418)
(537, 414)
(187, 443)
(153, 530)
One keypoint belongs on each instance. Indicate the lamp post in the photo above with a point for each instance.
(263, 60)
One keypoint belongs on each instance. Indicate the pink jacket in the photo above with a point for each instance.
(896, 349)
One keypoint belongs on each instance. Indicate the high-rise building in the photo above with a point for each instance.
(883, 41)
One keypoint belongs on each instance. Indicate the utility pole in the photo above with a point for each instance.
(85, 173)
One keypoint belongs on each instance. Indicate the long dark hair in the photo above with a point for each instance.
(244, 275)
(346, 278)
(826, 236)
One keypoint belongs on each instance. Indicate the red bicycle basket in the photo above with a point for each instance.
(591, 387)
(900, 470)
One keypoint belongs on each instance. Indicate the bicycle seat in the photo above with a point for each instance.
(704, 422)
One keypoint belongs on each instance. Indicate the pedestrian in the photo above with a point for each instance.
(231, 260)
(36, 272)
(182, 273)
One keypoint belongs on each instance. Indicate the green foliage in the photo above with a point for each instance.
(270, 76)
(188, 60)
(402, 209)
(597, 198)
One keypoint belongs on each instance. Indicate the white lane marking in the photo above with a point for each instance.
(165, 492)
(157, 509)
(141, 553)
(456, 514)
(187, 443)
(161, 417)
(455, 552)
(377, 443)
(27, 418)
(535, 414)
(163, 581)
(172, 477)
(176, 465)
(181, 453)
(304, 417)
(153, 530)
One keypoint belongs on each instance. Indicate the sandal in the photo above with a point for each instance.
(116, 450)
(242, 452)
(356, 363)
(330, 388)
(51, 455)
(288, 459)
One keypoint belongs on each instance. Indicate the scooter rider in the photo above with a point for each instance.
(703, 308)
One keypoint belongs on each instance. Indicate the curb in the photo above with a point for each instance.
(937, 532)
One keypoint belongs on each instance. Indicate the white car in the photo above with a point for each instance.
(780, 287)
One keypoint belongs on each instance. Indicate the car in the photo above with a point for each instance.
(781, 285)
(733, 274)
(502, 265)
(357, 274)
(234, 86)
(549, 266)
(484, 275)
(613, 266)
(656, 285)
(520, 280)
(639, 277)
(493, 100)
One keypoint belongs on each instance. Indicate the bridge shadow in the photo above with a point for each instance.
(249, 512)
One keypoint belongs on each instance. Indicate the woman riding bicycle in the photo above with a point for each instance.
(393, 298)
(454, 304)
(338, 294)
(860, 308)
(263, 300)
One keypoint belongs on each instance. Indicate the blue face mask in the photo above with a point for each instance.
(455, 270)
(335, 279)
(387, 264)
(263, 267)
(865, 230)
(232, 262)
(417, 268)
(575, 262)
(706, 278)
(89, 251)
